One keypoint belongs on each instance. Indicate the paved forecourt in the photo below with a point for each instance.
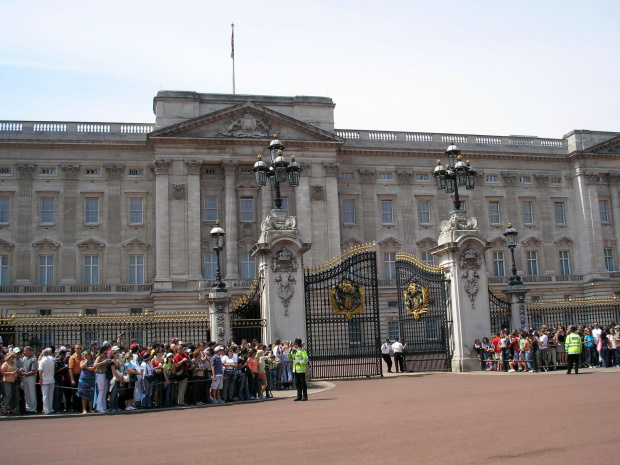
(465, 418)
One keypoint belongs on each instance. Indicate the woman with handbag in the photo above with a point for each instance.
(197, 368)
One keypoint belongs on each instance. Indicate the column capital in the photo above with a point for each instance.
(367, 175)
(230, 167)
(404, 177)
(161, 167)
(114, 171)
(70, 171)
(509, 177)
(331, 169)
(25, 171)
(193, 166)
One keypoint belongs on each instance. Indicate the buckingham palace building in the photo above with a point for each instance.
(100, 217)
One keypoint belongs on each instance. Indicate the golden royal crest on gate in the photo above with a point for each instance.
(416, 300)
(347, 298)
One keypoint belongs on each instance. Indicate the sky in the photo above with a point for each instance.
(539, 68)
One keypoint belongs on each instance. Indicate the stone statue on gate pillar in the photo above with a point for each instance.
(279, 251)
(460, 251)
(218, 300)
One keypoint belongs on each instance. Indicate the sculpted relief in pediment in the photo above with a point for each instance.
(247, 126)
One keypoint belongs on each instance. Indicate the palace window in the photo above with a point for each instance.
(47, 210)
(532, 262)
(91, 269)
(560, 218)
(46, 269)
(248, 266)
(428, 258)
(355, 333)
(247, 209)
(393, 330)
(91, 214)
(528, 213)
(387, 216)
(348, 211)
(346, 176)
(564, 262)
(135, 210)
(609, 259)
(4, 210)
(424, 211)
(385, 176)
(494, 215)
(4, 270)
(210, 265)
(210, 204)
(499, 268)
(389, 259)
(603, 207)
(136, 269)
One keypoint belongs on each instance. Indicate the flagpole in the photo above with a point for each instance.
(232, 53)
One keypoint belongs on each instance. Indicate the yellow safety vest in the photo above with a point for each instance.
(301, 356)
(573, 344)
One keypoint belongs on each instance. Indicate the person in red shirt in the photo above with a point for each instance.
(497, 350)
(182, 364)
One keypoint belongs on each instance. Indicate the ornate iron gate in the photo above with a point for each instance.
(499, 310)
(423, 313)
(342, 316)
(245, 317)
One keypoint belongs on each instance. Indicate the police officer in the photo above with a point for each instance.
(573, 349)
(299, 357)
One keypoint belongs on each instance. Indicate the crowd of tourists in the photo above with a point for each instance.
(118, 377)
(544, 349)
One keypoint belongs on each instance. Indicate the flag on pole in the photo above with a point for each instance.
(232, 42)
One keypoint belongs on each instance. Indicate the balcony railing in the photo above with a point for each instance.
(417, 138)
(75, 288)
(73, 130)
(538, 279)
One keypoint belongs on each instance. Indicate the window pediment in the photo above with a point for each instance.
(563, 242)
(390, 243)
(6, 245)
(135, 244)
(532, 241)
(46, 243)
(91, 243)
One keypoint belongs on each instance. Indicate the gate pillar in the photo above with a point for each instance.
(218, 301)
(518, 307)
(460, 251)
(279, 251)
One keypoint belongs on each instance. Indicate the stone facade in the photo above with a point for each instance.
(112, 217)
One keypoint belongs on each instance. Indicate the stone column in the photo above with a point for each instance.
(218, 301)
(114, 264)
(587, 222)
(369, 209)
(461, 250)
(194, 203)
(231, 220)
(614, 182)
(518, 307)
(279, 250)
(332, 209)
(162, 227)
(68, 272)
(302, 204)
(26, 210)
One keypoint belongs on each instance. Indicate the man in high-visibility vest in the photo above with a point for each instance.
(299, 357)
(572, 344)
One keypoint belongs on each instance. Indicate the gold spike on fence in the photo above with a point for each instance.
(343, 256)
(573, 303)
(419, 263)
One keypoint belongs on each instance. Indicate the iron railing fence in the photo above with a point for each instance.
(40, 332)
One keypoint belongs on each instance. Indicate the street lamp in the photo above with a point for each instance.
(279, 170)
(217, 234)
(456, 173)
(511, 238)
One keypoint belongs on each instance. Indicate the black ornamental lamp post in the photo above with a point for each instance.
(511, 238)
(277, 171)
(217, 234)
(456, 173)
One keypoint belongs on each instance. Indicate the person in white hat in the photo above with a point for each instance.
(217, 370)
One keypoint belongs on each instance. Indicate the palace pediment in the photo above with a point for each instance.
(135, 244)
(246, 121)
(609, 147)
(91, 243)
